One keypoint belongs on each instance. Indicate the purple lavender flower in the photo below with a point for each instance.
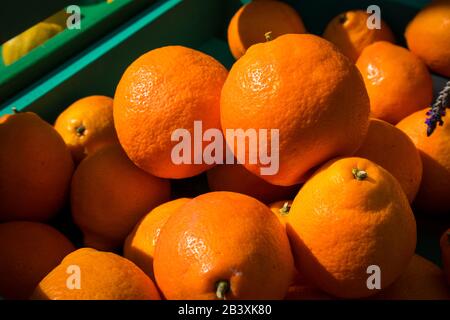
(437, 111)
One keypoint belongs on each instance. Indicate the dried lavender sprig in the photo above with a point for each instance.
(437, 111)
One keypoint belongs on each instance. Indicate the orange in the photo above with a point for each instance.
(164, 90)
(223, 245)
(349, 31)
(87, 125)
(100, 276)
(445, 253)
(254, 20)
(140, 244)
(435, 186)
(392, 149)
(428, 36)
(350, 215)
(301, 289)
(110, 195)
(35, 168)
(281, 210)
(314, 96)
(422, 280)
(397, 81)
(28, 251)
(235, 178)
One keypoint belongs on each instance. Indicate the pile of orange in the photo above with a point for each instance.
(345, 115)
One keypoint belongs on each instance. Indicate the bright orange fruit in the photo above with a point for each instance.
(428, 36)
(350, 33)
(110, 195)
(434, 189)
(87, 125)
(223, 245)
(102, 276)
(392, 149)
(164, 90)
(314, 96)
(140, 244)
(350, 215)
(254, 20)
(397, 81)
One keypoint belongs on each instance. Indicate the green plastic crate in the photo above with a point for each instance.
(198, 24)
(97, 18)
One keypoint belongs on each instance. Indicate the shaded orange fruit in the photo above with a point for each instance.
(445, 253)
(110, 195)
(392, 149)
(235, 178)
(88, 274)
(140, 244)
(35, 168)
(422, 280)
(397, 81)
(301, 289)
(157, 100)
(361, 217)
(223, 245)
(281, 210)
(28, 251)
(314, 96)
(434, 150)
(428, 36)
(350, 33)
(254, 20)
(87, 125)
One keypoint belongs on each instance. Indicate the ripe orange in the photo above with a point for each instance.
(140, 244)
(35, 168)
(281, 210)
(314, 96)
(102, 276)
(397, 81)
(350, 33)
(87, 125)
(428, 36)
(422, 280)
(28, 251)
(254, 20)
(223, 245)
(235, 178)
(435, 186)
(445, 253)
(392, 149)
(164, 90)
(350, 215)
(110, 195)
